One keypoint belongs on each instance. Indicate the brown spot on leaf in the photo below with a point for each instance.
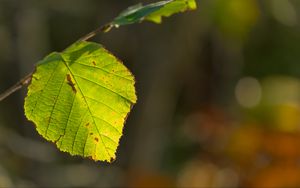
(94, 63)
(34, 77)
(91, 134)
(71, 83)
(112, 160)
(87, 125)
(97, 139)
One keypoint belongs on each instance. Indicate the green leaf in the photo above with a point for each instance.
(153, 12)
(171, 8)
(80, 99)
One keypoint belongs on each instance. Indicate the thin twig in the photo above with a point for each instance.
(102, 29)
(27, 79)
(16, 87)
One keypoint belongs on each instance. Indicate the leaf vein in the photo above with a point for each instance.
(54, 105)
(96, 83)
(104, 105)
(83, 117)
(68, 118)
(108, 124)
(54, 70)
(87, 107)
(100, 68)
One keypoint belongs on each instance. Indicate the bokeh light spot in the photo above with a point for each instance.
(248, 92)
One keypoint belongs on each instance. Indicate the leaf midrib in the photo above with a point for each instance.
(88, 107)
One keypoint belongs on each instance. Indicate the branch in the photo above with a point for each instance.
(16, 87)
(26, 80)
(134, 14)
(103, 29)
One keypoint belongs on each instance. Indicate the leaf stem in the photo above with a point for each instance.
(16, 87)
(103, 29)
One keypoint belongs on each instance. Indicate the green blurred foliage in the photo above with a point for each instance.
(218, 95)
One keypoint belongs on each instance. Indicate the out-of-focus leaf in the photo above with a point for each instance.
(172, 8)
(153, 12)
(235, 18)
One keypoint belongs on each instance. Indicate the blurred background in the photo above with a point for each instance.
(218, 95)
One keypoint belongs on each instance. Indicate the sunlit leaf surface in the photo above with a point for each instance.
(80, 98)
